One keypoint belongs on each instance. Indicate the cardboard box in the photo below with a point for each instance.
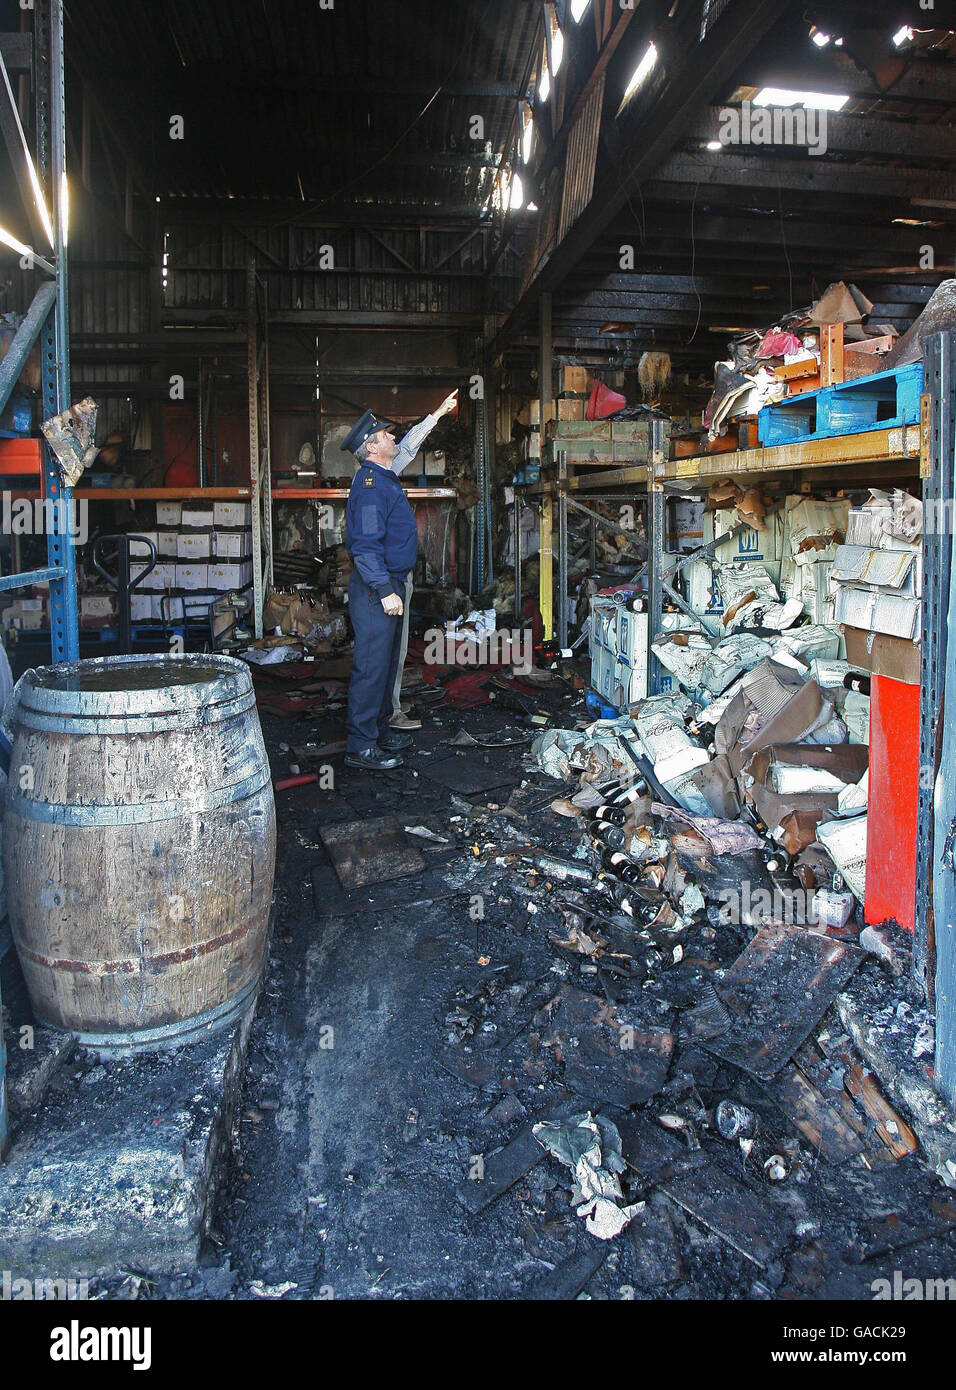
(571, 408)
(811, 585)
(234, 575)
(232, 514)
(145, 606)
(29, 615)
(169, 514)
(232, 545)
(140, 549)
(97, 610)
(575, 380)
(192, 576)
(198, 514)
(631, 637)
(685, 525)
(630, 683)
(880, 610)
(166, 543)
(843, 763)
(194, 545)
(163, 576)
(883, 655)
(535, 412)
(763, 543)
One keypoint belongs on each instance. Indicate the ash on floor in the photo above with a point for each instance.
(406, 1045)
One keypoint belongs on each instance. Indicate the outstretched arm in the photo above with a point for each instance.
(417, 435)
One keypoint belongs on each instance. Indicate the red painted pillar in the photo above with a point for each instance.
(891, 820)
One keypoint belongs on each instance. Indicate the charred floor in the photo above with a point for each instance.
(405, 1046)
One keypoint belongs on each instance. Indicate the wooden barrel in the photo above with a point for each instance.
(138, 846)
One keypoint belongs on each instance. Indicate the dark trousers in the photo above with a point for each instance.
(378, 647)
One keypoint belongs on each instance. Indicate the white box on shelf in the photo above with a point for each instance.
(234, 575)
(139, 548)
(232, 544)
(198, 514)
(98, 606)
(232, 513)
(194, 545)
(141, 606)
(192, 576)
(166, 543)
(632, 637)
(163, 576)
(169, 514)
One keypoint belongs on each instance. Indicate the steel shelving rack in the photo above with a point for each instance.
(921, 453)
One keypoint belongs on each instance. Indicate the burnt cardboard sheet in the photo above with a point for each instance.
(608, 1051)
(492, 1176)
(776, 991)
(717, 784)
(726, 1205)
(568, 1278)
(331, 899)
(370, 851)
(467, 774)
(657, 1256)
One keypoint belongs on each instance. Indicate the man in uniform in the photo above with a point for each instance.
(382, 538)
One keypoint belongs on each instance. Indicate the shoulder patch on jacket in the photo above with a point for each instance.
(370, 480)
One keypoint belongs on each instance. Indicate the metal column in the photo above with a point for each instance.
(545, 572)
(516, 533)
(484, 560)
(562, 548)
(942, 861)
(937, 473)
(265, 471)
(252, 367)
(655, 553)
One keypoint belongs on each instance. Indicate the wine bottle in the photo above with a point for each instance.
(624, 796)
(611, 835)
(620, 866)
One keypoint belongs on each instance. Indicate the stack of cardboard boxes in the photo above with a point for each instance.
(618, 649)
(877, 577)
(204, 548)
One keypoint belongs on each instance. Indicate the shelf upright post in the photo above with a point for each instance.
(655, 552)
(516, 533)
(546, 566)
(562, 460)
(265, 471)
(939, 480)
(252, 362)
(934, 953)
(55, 334)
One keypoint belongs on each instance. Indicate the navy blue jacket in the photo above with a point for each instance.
(380, 529)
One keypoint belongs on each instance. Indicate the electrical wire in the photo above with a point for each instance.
(693, 264)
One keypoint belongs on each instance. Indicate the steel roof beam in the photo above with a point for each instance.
(702, 73)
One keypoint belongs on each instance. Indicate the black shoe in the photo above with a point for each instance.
(394, 741)
(374, 760)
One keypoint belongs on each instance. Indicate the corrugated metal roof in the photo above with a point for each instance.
(280, 99)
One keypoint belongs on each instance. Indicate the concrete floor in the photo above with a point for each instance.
(350, 1168)
(354, 1134)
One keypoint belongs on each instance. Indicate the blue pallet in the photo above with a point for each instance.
(882, 401)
